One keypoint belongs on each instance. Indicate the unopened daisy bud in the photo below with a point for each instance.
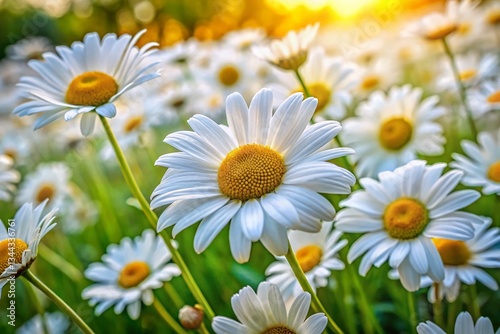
(290, 52)
(191, 317)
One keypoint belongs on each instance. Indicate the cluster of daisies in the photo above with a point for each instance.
(402, 140)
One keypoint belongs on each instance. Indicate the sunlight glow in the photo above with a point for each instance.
(343, 8)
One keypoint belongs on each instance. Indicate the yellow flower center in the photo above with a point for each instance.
(395, 133)
(133, 123)
(452, 252)
(46, 191)
(91, 89)
(441, 32)
(309, 257)
(493, 17)
(11, 252)
(320, 91)
(292, 62)
(405, 218)
(467, 74)
(250, 171)
(133, 273)
(278, 330)
(494, 97)
(10, 153)
(494, 171)
(464, 28)
(229, 75)
(370, 82)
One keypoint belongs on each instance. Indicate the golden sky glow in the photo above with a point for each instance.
(343, 8)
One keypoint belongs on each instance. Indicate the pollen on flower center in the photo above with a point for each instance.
(395, 133)
(250, 171)
(493, 17)
(11, 252)
(229, 75)
(441, 32)
(494, 97)
(309, 257)
(133, 273)
(46, 191)
(452, 252)
(91, 89)
(278, 330)
(133, 123)
(370, 82)
(494, 171)
(405, 218)
(319, 91)
(467, 74)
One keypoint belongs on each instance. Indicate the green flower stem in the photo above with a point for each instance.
(203, 329)
(153, 220)
(173, 295)
(304, 283)
(58, 301)
(473, 304)
(461, 88)
(437, 307)
(365, 305)
(168, 318)
(39, 307)
(337, 140)
(302, 83)
(413, 317)
(453, 310)
(66, 267)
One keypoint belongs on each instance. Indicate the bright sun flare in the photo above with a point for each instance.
(343, 8)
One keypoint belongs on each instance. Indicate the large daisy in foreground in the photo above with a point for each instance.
(400, 215)
(263, 173)
(87, 77)
(265, 312)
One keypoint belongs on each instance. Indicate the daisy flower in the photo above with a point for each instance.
(50, 181)
(436, 26)
(330, 80)
(29, 48)
(243, 39)
(463, 260)
(57, 323)
(481, 166)
(129, 273)
(263, 172)
(485, 98)
(317, 254)
(23, 234)
(378, 74)
(290, 52)
(8, 176)
(472, 69)
(265, 312)
(390, 130)
(401, 213)
(87, 77)
(463, 325)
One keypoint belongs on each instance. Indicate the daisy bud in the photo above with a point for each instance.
(191, 317)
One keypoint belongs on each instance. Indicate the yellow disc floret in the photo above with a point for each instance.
(250, 171)
(309, 257)
(494, 97)
(494, 171)
(229, 75)
(320, 91)
(133, 273)
(46, 191)
(11, 251)
(132, 123)
(405, 218)
(278, 330)
(395, 133)
(91, 89)
(370, 82)
(441, 32)
(467, 74)
(452, 252)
